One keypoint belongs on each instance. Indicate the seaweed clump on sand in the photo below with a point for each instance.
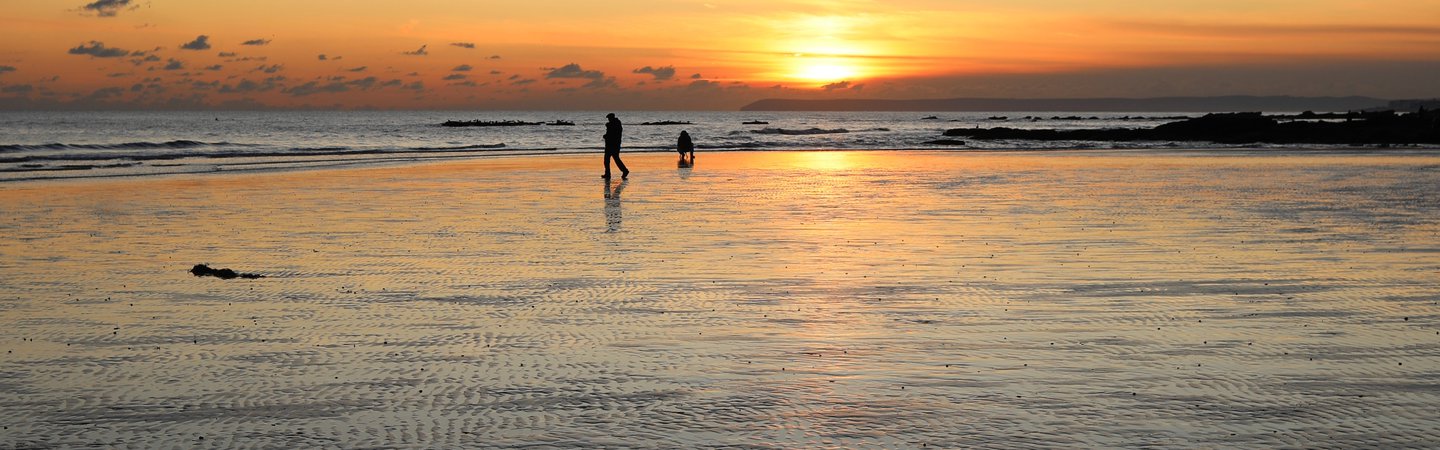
(1356, 128)
(202, 270)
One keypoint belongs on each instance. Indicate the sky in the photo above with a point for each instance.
(698, 55)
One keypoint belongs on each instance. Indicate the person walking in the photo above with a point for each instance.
(613, 131)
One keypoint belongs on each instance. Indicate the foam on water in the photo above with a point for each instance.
(756, 300)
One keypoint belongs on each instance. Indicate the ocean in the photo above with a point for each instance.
(50, 145)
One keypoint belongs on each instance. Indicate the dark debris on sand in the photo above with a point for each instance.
(202, 270)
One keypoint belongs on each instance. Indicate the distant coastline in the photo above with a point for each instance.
(1153, 104)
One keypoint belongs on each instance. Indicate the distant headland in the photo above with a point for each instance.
(1282, 103)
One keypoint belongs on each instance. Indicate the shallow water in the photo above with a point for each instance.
(757, 300)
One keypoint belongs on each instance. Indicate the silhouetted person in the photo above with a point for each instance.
(613, 131)
(685, 145)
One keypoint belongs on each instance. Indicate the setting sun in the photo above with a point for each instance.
(824, 70)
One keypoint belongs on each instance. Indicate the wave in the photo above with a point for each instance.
(794, 132)
(293, 152)
(123, 146)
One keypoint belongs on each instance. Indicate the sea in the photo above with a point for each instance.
(64, 144)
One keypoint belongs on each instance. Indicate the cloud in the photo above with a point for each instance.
(108, 92)
(174, 64)
(256, 42)
(4, 69)
(597, 78)
(321, 57)
(660, 73)
(247, 85)
(702, 85)
(227, 54)
(215, 67)
(836, 86)
(695, 76)
(607, 82)
(462, 68)
(454, 76)
(358, 69)
(522, 82)
(201, 42)
(269, 69)
(146, 59)
(18, 89)
(337, 85)
(463, 44)
(494, 57)
(418, 52)
(107, 8)
(96, 49)
(573, 70)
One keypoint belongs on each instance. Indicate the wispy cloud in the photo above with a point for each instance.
(573, 70)
(97, 49)
(4, 69)
(418, 52)
(462, 68)
(256, 42)
(107, 8)
(660, 73)
(470, 45)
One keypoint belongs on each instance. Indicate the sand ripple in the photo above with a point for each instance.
(771, 300)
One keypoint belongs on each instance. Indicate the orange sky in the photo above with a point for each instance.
(700, 54)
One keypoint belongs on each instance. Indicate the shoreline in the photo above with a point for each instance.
(398, 159)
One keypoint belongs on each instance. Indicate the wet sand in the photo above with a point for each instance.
(757, 300)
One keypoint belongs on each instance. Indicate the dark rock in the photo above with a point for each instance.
(202, 270)
(1385, 128)
(487, 123)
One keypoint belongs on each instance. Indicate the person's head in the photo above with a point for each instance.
(610, 116)
(684, 133)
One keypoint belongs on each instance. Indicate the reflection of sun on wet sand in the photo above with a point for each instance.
(796, 300)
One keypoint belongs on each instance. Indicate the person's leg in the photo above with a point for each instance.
(607, 165)
(621, 164)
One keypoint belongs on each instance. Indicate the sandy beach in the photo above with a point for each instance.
(880, 299)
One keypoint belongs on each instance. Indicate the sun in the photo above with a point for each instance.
(822, 68)
(824, 71)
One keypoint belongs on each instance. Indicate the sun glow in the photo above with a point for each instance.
(828, 70)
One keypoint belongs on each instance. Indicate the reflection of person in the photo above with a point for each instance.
(613, 130)
(685, 145)
(612, 205)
